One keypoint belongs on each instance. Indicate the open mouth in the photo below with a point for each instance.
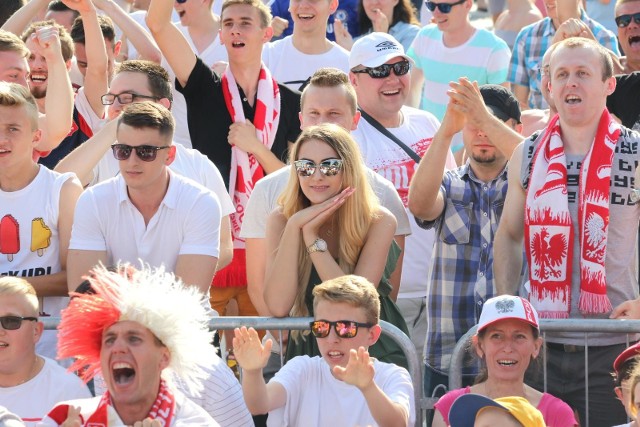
(572, 99)
(335, 354)
(305, 17)
(123, 373)
(634, 42)
(507, 362)
(237, 44)
(3, 344)
(38, 77)
(391, 92)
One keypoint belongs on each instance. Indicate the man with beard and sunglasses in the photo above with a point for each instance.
(156, 215)
(464, 207)
(364, 390)
(380, 76)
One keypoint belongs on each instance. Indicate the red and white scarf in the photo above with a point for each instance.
(163, 410)
(549, 232)
(245, 168)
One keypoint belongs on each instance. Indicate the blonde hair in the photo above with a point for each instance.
(353, 290)
(353, 218)
(263, 10)
(11, 285)
(15, 95)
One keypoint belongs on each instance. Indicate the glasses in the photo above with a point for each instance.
(124, 98)
(442, 7)
(181, 1)
(146, 153)
(343, 328)
(11, 323)
(399, 68)
(328, 167)
(623, 21)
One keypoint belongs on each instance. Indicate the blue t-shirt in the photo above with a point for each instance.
(347, 12)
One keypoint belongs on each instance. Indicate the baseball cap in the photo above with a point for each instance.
(466, 408)
(375, 49)
(502, 103)
(507, 307)
(627, 354)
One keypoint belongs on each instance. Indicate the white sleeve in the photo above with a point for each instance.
(202, 227)
(87, 113)
(397, 386)
(254, 222)
(87, 232)
(390, 199)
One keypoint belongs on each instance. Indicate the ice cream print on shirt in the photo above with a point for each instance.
(10, 236)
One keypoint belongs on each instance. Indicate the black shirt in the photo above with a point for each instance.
(624, 102)
(209, 120)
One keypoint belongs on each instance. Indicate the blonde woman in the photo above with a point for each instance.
(329, 223)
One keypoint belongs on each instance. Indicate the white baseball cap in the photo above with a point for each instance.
(507, 307)
(375, 49)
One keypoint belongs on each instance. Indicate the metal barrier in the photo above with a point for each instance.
(548, 325)
(302, 323)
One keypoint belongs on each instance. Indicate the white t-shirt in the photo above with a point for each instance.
(213, 53)
(84, 108)
(188, 162)
(316, 398)
(389, 160)
(32, 400)
(292, 68)
(186, 222)
(264, 198)
(186, 413)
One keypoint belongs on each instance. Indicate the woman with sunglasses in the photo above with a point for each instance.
(329, 223)
(507, 341)
(396, 17)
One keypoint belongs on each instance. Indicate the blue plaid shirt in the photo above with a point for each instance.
(461, 275)
(532, 43)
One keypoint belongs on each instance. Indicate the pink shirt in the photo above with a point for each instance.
(555, 412)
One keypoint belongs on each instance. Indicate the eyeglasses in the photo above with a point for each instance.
(343, 328)
(146, 153)
(399, 68)
(442, 7)
(623, 21)
(11, 323)
(328, 167)
(124, 98)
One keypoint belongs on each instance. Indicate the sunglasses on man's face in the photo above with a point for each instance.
(442, 7)
(11, 323)
(623, 21)
(146, 153)
(399, 68)
(343, 328)
(181, 1)
(328, 167)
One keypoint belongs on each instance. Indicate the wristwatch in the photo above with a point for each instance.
(318, 246)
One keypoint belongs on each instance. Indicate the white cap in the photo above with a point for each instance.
(375, 49)
(507, 307)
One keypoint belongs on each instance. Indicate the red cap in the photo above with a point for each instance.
(627, 354)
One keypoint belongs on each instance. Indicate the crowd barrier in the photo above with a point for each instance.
(547, 325)
(302, 323)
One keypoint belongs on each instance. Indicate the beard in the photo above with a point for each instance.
(484, 157)
(38, 92)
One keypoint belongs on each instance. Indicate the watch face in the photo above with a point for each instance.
(321, 245)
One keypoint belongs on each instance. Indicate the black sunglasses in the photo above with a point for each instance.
(343, 328)
(328, 167)
(181, 1)
(623, 21)
(399, 68)
(11, 323)
(124, 98)
(146, 153)
(443, 7)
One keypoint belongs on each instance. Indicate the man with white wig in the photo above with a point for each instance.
(139, 330)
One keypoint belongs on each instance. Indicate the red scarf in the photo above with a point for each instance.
(549, 232)
(163, 409)
(245, 169)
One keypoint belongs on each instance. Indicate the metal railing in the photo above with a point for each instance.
(586, 326)
(302, 323)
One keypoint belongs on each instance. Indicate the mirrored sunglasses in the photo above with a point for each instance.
(380, 72)
(328, 167)
(11, 323)
(145, 153)
(343, 328)
(623, 21)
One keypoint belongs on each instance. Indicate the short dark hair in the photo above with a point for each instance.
(157, 76)
(66, 44)
(332, 77)
(58, 6)
(106, 26)
(581, 42)
(403, 11)
(148, 115)
(8, 8)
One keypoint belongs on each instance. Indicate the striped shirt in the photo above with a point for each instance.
(532, 43)
(483, 58)
(461, 275)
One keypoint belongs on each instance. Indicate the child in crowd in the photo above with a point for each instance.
(362, 390)
(626, 378)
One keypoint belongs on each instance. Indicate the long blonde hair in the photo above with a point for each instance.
(353, 218)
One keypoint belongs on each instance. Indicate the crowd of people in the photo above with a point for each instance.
(163, 162)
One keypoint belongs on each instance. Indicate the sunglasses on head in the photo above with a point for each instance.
(623, 21)
(145, 153)
(11, 323)
(328, 167)
(380, 72)
(343, 328)
(442, 7)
